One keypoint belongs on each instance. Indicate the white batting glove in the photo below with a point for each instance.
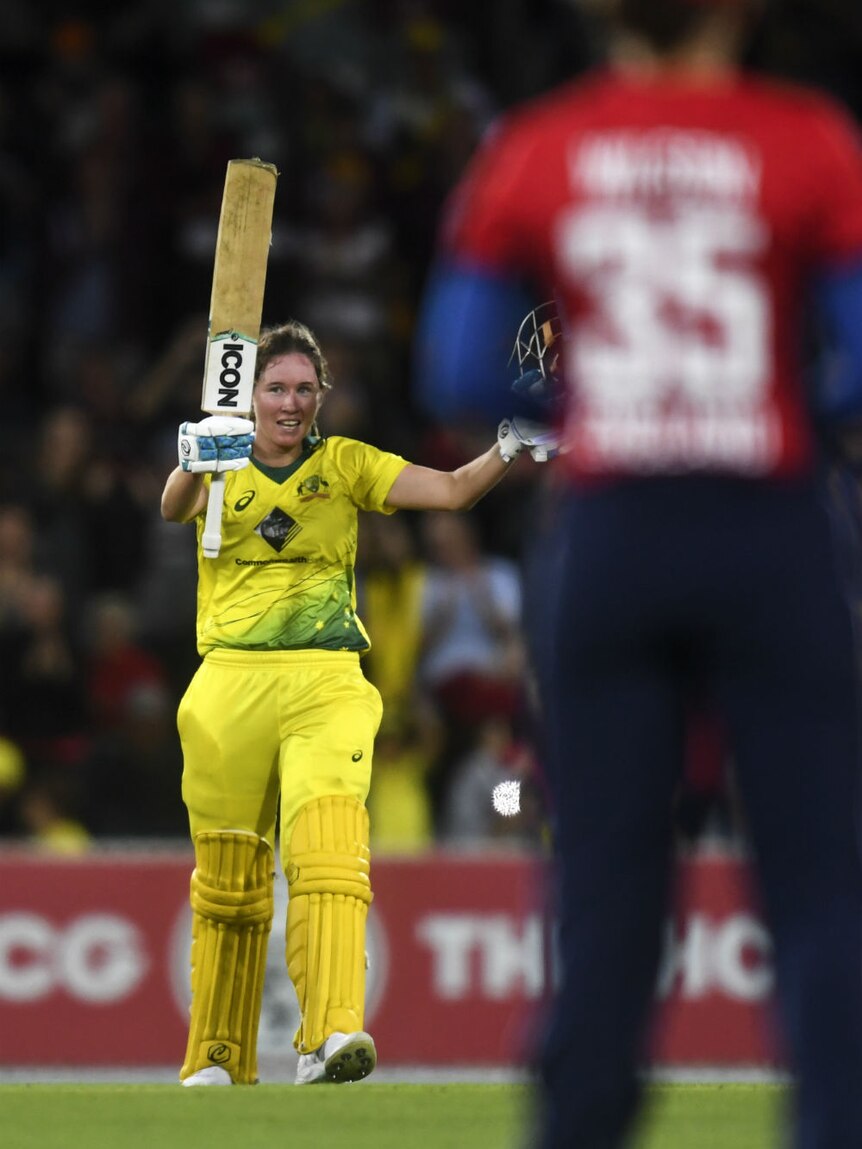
(218, 443)
(517, 435)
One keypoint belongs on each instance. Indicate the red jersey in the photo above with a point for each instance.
(677, 224)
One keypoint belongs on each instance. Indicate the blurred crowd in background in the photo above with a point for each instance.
(115, 132)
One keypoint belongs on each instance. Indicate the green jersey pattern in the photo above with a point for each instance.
(284, 579)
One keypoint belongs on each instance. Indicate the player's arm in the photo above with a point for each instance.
(838, 394)
(426, 489)
(464, 342)
(184, 496)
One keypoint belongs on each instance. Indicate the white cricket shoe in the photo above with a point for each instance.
(342, 1057)
(211, 1075)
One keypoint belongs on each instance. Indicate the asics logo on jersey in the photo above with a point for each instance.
(277, 529)
(243, 501)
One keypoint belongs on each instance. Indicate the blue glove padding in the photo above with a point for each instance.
(218, 443)
(543, 393)
(517, 435)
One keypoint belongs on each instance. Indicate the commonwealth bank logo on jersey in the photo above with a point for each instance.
(277, 529)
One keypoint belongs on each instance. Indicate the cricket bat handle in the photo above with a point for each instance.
(212, 526)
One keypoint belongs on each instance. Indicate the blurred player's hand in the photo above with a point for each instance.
(217, 443)
(543, 390)
(517, 435)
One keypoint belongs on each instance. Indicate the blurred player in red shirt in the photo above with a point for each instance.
(690, 220)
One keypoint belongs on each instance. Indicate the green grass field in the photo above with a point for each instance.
(367, 1116)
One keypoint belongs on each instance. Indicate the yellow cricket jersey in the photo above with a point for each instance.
(284, 578)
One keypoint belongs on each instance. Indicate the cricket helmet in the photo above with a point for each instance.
(539, 341)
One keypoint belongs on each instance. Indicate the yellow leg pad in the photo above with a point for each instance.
(330, 890)
(232, 910)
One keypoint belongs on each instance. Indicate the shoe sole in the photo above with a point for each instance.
(353, 1061)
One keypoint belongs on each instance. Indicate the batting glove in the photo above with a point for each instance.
(517, 435)
(217, 443)
(542, 389)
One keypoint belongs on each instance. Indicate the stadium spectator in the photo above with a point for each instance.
(138, 753)
(47, 811)
(470, 819)
(399, 805)
(13, 773)
(472, 662)
(117, 665)
(390, 586)
(45, 697)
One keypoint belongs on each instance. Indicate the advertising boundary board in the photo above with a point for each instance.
(94, 963)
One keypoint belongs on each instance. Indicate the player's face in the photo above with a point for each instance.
(286, 401)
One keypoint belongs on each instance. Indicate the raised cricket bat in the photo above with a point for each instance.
(236, 307)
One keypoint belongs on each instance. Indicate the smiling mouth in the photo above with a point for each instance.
(290, 424)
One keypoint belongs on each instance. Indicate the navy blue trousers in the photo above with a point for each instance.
(634, 593)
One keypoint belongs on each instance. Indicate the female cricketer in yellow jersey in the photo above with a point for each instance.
(279, 720)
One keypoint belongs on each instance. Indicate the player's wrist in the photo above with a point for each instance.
(508, 443)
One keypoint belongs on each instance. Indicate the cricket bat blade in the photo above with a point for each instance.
(236, 307)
